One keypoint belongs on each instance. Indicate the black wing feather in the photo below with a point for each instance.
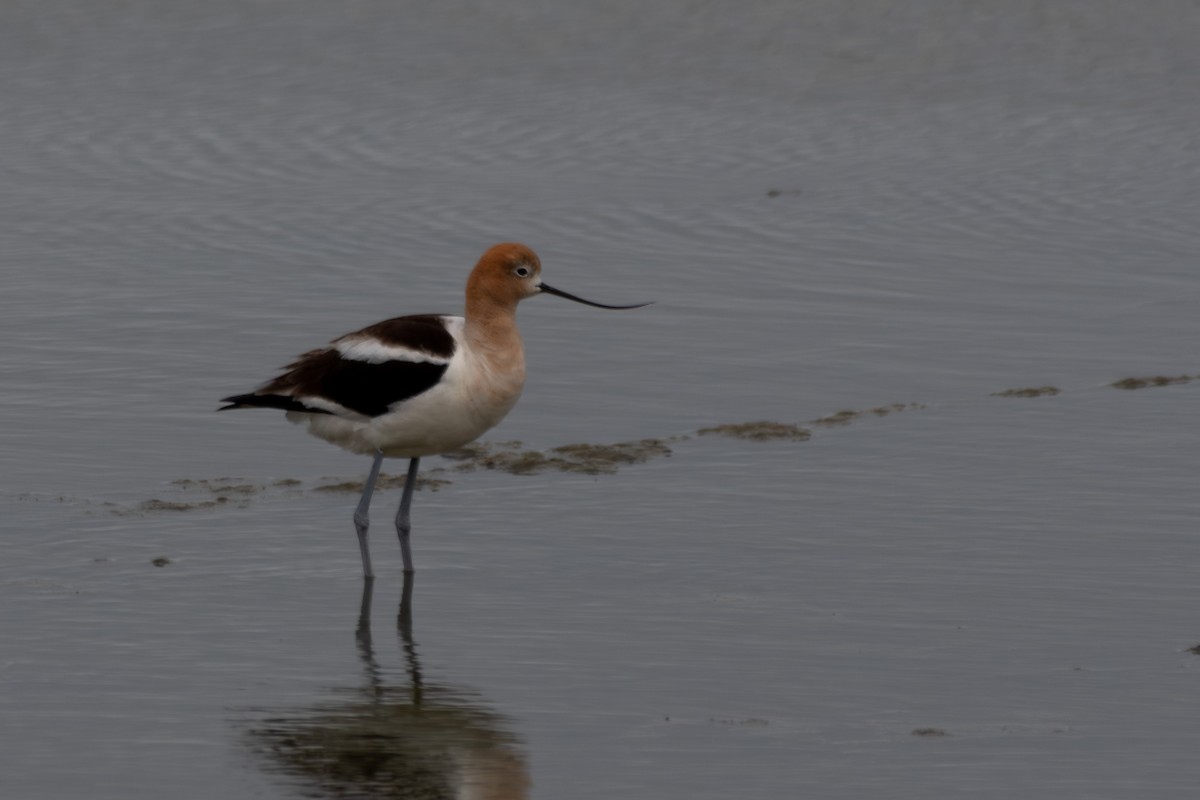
(367, 388)
(267, 401)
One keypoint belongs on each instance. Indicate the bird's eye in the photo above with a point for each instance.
(522, 272)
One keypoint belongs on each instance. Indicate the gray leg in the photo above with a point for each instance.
(361, 521)
(402, 523)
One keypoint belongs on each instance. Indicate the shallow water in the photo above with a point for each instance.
(838, 207)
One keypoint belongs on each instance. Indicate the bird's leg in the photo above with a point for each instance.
(361, 520)
(402, 523)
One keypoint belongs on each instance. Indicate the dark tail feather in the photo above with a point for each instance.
(279, 401)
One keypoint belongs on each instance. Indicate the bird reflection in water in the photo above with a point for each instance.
(412, 740)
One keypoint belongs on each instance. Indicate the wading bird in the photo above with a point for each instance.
(419, 385)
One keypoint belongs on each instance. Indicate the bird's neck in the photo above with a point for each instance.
(491, 330)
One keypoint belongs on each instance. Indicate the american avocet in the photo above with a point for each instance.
(416, 386)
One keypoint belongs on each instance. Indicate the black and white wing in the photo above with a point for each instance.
(365, 373)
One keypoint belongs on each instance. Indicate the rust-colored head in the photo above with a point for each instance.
(506, 274)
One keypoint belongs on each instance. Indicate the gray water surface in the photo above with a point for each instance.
(894, 209)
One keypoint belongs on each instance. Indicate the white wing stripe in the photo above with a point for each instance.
(373, 351)
(321, 404)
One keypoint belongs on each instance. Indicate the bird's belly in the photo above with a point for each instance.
(429, 424)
